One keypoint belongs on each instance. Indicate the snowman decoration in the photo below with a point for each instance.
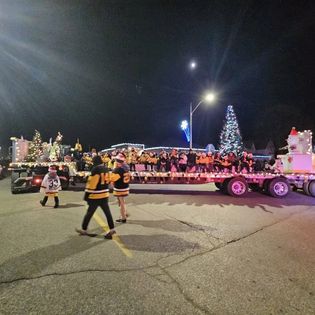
(293, 141)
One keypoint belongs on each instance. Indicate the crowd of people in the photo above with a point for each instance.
(180, 161)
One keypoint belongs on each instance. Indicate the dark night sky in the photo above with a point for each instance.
(116, 71)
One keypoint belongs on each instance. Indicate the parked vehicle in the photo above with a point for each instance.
(28, 178)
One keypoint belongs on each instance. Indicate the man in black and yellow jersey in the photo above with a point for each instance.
(96, 195)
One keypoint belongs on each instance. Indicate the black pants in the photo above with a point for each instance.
(93, 204)
(56, 200)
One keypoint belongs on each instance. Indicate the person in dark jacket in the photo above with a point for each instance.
(96, 195)
(191, 161)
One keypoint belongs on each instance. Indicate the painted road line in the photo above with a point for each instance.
(116, 238)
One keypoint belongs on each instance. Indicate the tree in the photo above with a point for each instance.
(35, 148)
(230, 138)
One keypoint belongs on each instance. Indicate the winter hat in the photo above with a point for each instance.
(120, 158)
(52, 169)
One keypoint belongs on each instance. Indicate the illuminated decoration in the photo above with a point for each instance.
(124, 145)
(299, 158)
(171, 148)
(128, 145)
(300, 142)
(19, 149)
(142, 146)
(35, 148)
(185, 127)
(230, 138)
(71, 165)
(55, 150)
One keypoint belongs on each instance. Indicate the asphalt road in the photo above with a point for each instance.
(184, 250)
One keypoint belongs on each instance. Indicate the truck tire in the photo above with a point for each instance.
(305, 188)
(279, 187)
(237, 187)
(223, 187)
(266, 184)
(311, 188)
(218, 185)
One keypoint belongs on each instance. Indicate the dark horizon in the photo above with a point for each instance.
(117, 71)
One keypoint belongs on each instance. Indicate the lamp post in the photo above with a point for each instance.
(209, 98)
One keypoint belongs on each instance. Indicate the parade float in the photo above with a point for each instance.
(294, 170)
(31, 160)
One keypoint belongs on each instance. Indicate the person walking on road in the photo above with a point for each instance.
(96, 195)
(121, 179)
(51, 185)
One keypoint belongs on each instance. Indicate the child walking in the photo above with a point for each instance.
(51, 185)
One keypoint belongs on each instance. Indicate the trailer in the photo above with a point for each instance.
(234, 184)
(293, 171)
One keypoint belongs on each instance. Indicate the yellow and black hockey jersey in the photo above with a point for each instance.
(97, 184)
(121, 179)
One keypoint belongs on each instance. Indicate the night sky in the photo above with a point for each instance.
(117, 71)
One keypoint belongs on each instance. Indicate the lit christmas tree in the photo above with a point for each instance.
(230, 138)
(35, 148)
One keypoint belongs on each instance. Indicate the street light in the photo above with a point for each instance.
(208, 98)
(193, 65)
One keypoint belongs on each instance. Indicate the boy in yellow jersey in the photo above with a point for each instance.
(121, 178)
(96, 194)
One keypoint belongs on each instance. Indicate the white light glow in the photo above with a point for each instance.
(193, 65)
(184, 125)
(210, 97)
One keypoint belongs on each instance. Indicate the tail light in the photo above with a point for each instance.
(37, 181)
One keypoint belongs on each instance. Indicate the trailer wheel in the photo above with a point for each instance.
(237, 187)
(279, 187)
(311, 188)
(266, 185)
(224, 184)
(305, 188)
(218, 185)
